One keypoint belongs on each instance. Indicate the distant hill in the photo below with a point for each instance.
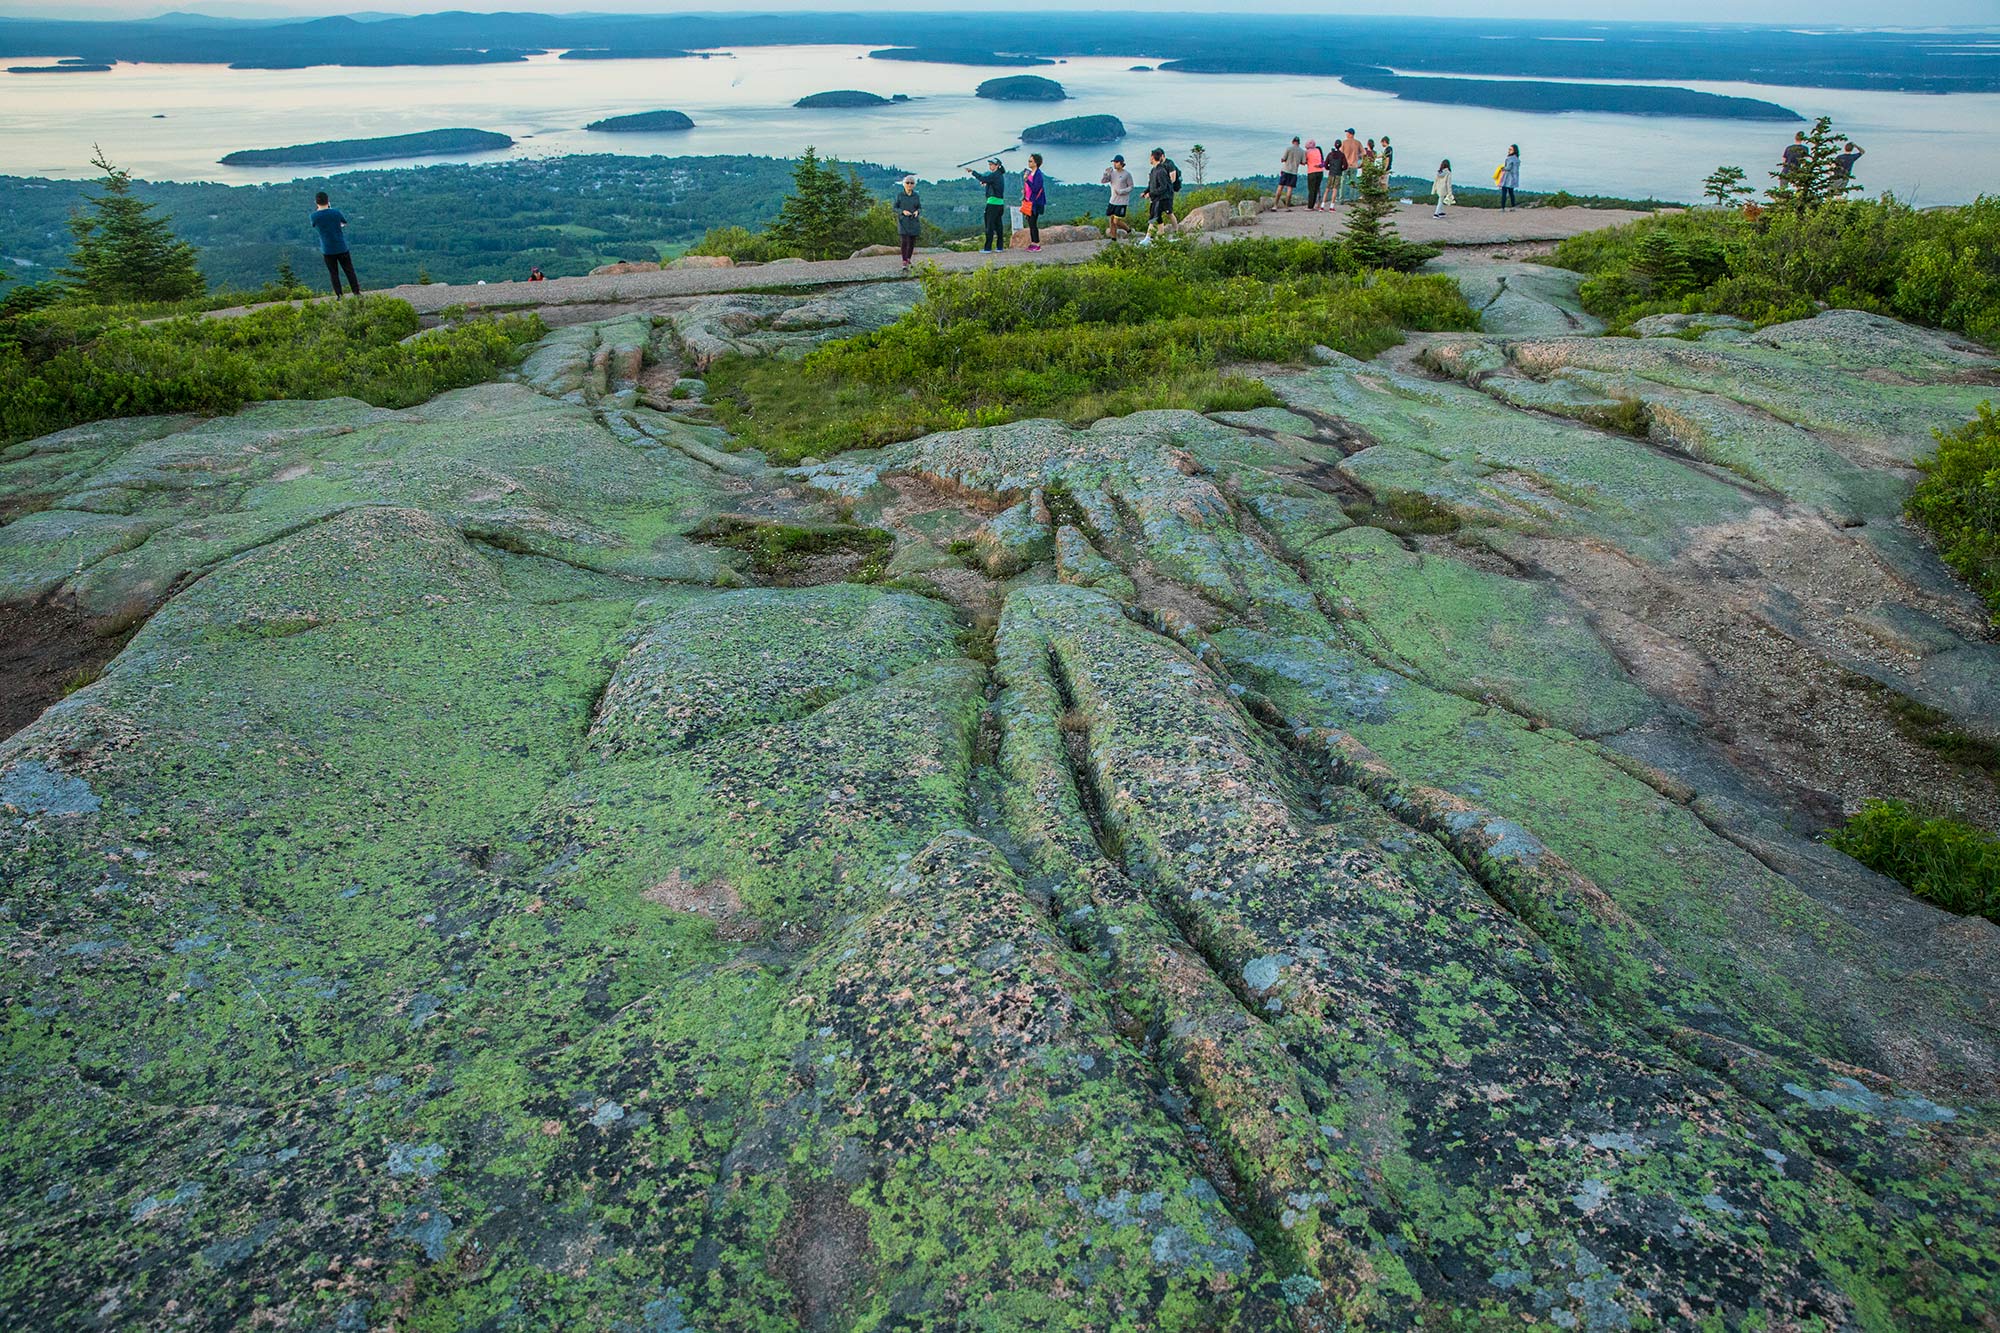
(67, 67)
(641, 122)
(333, 152)
(1022, 88)
(842, 97)
(955, 55)
(1076, 130)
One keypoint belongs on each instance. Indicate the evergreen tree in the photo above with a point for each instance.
(1371, 237)
(125, 251)
(821, 217)
(1198, 165)
(286, 277)
(1725, 186)
(1664, 266)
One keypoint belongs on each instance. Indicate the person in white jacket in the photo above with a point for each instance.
(1443, 187)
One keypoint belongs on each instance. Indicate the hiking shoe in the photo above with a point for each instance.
(1034, 247)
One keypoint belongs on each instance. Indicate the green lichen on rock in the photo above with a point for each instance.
(1303, 868)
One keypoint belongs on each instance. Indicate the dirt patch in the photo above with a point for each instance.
(715, 899)
(823, 1255)
(47, 652)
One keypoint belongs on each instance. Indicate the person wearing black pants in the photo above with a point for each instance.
(1034, 200)
(331, 225)
(909, 206)
(994, 178)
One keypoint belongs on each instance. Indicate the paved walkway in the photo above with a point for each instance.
(1469, 226)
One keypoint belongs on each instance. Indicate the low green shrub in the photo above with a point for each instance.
(1958, 500)
(1130, 330)
(1939, 267)
(64, 365)
(1945, 861)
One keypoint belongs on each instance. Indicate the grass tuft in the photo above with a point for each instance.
(1941, 860)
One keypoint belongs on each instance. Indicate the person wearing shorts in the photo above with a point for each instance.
(1120, 181)
(1289, 166)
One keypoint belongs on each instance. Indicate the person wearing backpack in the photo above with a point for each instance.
(1161, 183)
(1034, 199)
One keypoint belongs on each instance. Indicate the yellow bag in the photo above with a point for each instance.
(1498, 172)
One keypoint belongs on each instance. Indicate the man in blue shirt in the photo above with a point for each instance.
(331, 225)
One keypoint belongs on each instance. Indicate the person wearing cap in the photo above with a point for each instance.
(994, 178)
(909, 206)
(1120, 181)
(1315, 173)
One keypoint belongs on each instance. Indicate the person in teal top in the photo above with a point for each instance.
(331, 224)
(994, 178)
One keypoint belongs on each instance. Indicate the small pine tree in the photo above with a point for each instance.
(1371, 225)
(1198, 165)
(286, 277)
(125, 251)
(821, 217)
(1663, 264)
(1725, 186)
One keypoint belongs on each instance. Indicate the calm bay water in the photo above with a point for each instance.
(1927, 149)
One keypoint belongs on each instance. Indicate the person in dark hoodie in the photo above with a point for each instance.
(994, 178)
(1161, 182)
(909, 206)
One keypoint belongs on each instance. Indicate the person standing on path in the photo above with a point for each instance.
(1159, 190)
(1120, 203)
(1315, 173)
(994, 178)
(1388, 159)
(909, 206)
(1034, 199)
(331, 224)
(1510, 177)
(1350, 173)
(1289, 166)
(1442, 184)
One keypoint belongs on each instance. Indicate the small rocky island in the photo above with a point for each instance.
(847, 97)
(332, 152)
(1076, 130)
(1022, 88)
(642, 122)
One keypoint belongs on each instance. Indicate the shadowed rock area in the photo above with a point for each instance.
(1347, 865)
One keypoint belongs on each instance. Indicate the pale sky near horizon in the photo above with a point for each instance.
(1861, 13)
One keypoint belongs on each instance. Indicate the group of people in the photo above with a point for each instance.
(1163, 182)
(1344, 160)
(1348, 157)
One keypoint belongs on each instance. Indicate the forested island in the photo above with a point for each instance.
(643, 122)
(1021, 88)
(1076, 130)
(332, 152)
(66, 67)
(1533, 95)
(844, 97)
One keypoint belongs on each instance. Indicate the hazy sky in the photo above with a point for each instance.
(1857, 12)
